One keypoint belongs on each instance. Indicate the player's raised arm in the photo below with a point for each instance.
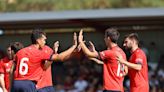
(84, 47)
(66, 54)
(92, 49)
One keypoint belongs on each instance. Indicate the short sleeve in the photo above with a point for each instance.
(104, 54)
(47, 53)
(139, 59)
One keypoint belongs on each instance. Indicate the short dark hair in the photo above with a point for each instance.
(36, 34)
(16, 46)
(133, 36)
(113, 34)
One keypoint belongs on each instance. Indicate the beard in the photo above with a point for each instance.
(10, 57)
(128, 48)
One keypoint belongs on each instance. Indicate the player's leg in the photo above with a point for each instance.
(23, 86)
(47, 89)
(111, 91)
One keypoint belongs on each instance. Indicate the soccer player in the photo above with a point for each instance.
(113, 70)
(29, 62)
(137, 65)
(45, 83)
(15, 47)
(6, 66)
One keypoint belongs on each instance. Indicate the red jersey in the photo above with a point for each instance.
(113, 79)
(29, 63)
(5, 67)
(139, 79)
(46, 78)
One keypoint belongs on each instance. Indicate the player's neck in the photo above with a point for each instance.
(134, 48)
(111, 45)
(36, 45)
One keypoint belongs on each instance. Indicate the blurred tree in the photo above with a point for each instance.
(59, 5)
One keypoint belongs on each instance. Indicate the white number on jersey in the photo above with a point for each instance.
(23, 68)
(120, 70)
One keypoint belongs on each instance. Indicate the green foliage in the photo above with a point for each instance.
(58, 5)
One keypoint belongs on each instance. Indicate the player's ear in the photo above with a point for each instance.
(38, 41)
(108, 38)
(133, 41)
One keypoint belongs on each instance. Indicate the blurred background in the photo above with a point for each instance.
(60, 18)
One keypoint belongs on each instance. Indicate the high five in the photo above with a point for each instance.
(113, 71)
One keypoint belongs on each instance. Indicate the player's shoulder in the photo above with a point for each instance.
(4, 59)
(46, 47)
(25, 50)
(117, 48)
(139, 52)
(106, 51)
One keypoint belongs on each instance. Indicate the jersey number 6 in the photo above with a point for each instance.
(23, 68)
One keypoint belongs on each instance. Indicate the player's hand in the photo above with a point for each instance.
(75, 39)
(79, 47)
(120, 58)
(81, 36)
(91, 46)
(56, 47)
(124, 73)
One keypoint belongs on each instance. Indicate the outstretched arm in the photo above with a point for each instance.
(88, 53)
(97, 60)
(92, 48)
(66, 54)
(128, 64)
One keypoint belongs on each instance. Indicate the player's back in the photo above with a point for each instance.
(29, 68)
(113, 79)
(28, 62)
(46, 78)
